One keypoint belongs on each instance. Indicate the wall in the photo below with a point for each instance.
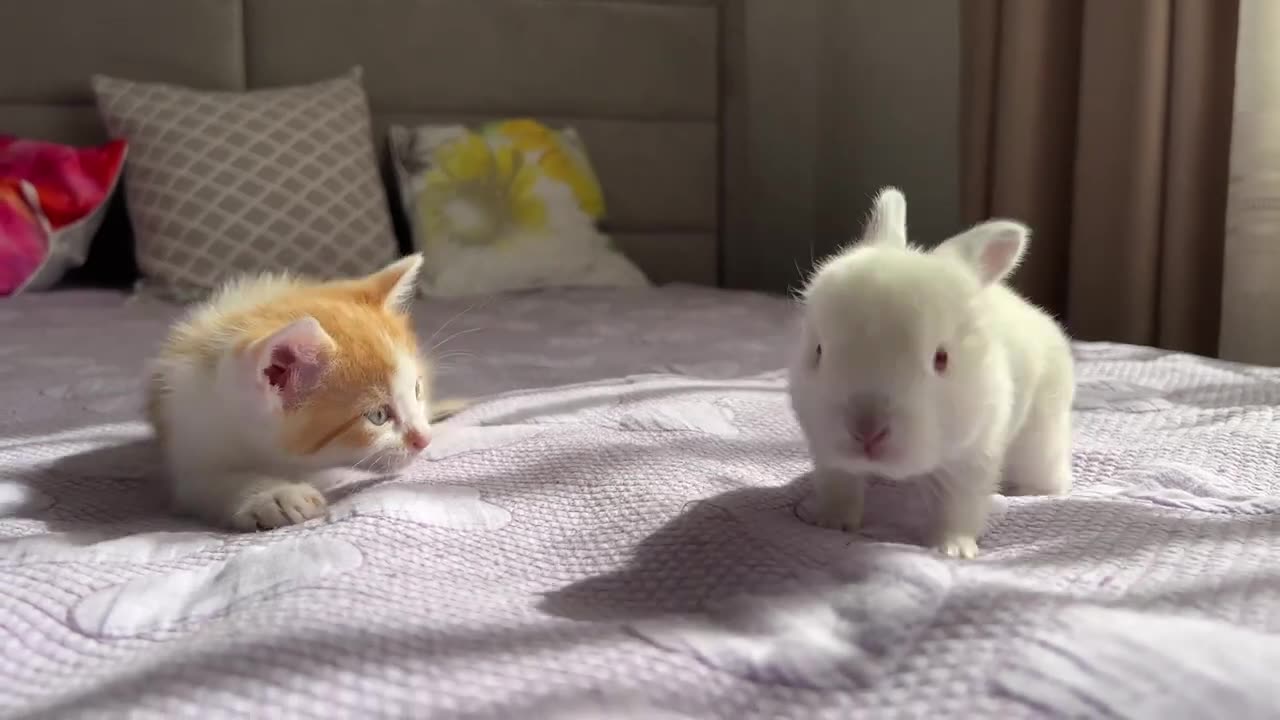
(830, 100)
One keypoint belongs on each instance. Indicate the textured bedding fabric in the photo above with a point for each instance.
(616, 531)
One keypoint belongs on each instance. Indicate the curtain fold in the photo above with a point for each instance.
(1106, 126)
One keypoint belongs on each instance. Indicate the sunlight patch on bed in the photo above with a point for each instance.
(157, 602)
(91, 546)
(1108, 662)
(448, 506)
(1187, 487)
(90, 436)
(465, 439)
(16, 497)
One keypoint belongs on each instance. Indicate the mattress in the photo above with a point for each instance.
(616, 528)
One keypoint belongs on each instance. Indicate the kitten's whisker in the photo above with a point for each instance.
(460, 333)
(362, 460)
(449, 322)
(457, 315)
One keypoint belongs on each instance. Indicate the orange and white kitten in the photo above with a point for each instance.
(276, 378)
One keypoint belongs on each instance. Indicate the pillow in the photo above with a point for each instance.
(221, 183)
(52, 201)
(510, 205)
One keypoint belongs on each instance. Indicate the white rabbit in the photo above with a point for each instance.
(922, 365)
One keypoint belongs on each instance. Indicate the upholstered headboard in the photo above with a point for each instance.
(640, 79)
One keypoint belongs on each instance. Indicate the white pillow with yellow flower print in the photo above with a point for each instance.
(510, 205)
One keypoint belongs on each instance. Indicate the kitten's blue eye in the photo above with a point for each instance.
(379, 416)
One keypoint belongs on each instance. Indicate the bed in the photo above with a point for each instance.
(616, 526)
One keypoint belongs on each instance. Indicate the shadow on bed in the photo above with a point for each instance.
(1119, 553)
(121, 484)
(108, 485)
(748, 540)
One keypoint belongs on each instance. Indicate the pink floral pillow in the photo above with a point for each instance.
(52, 199)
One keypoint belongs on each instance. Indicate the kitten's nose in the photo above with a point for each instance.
(417, 440)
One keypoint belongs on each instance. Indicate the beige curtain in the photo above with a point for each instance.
(1106, 125)
(1251, 272)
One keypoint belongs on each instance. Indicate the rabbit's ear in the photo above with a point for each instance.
(887, 224)
(992, 249)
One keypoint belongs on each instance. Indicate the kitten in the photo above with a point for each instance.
(275, 378)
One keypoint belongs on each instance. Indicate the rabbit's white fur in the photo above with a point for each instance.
(973, 383)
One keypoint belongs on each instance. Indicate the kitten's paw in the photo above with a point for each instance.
(279, 506)
(958, 546)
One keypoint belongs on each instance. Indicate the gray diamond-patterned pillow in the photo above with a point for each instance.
(220, 183)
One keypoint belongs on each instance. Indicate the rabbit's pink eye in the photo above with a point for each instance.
(940, 360)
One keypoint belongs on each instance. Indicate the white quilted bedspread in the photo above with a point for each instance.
(616, 531)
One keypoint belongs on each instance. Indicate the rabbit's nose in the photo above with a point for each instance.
(870, 431)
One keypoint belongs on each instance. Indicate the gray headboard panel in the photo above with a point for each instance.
(640, 79)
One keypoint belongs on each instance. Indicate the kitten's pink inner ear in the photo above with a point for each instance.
(277, 372)
(293, 361)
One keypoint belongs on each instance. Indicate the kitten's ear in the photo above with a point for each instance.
(392, 287)
(291, 362)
